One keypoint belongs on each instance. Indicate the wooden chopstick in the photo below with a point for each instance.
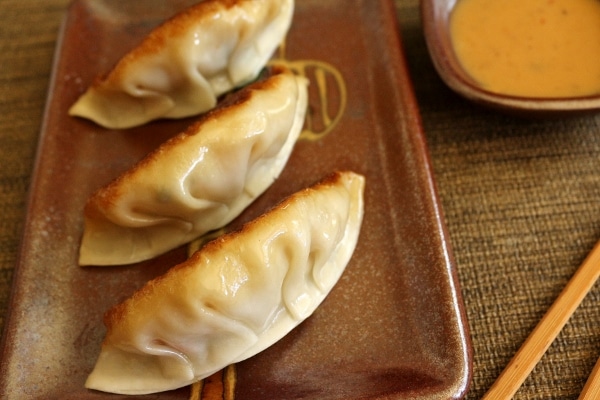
(591, 390)
(540, 339)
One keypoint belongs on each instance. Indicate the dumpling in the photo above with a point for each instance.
(182, 66)
(199, 180)
(234, 297)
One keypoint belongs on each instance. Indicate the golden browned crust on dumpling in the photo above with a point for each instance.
(121, 311)
(332, 179)
(108, 194)
(175, 26)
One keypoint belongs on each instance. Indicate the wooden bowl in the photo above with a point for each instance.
(435, 15)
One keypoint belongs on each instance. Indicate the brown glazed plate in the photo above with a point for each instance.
(393, 327)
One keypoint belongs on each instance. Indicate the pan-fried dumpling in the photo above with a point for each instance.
(234, 297)
(182, 66)
(199, 180)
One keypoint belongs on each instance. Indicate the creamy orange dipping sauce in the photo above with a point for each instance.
(530, 48)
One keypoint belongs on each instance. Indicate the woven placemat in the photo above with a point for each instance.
(27, 35)
(520, 199)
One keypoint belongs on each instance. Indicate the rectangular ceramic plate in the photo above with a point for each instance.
(394, 325)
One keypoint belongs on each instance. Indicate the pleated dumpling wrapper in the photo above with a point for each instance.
(234, 297)
(185, 64)
(199, 180)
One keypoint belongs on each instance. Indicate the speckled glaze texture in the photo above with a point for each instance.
(392, 328)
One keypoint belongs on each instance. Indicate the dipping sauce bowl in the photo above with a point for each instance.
(531, 57)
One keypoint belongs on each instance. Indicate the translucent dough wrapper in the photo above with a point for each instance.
(234, 297)
(199, 180)
(184, 65)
